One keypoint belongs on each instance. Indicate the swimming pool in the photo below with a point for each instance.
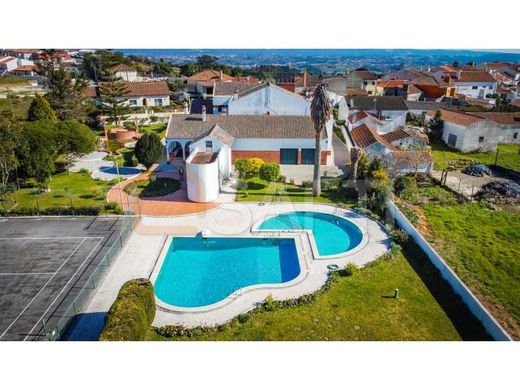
(333, 235)
(202, 271)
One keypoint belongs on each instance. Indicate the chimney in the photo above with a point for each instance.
(304, 78)
(235, 94)
(429, 69)
(204, 117)
(351, 102)
(459, 72)
(221, 77)
(186, 108)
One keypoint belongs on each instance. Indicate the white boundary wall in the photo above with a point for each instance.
(483, 315)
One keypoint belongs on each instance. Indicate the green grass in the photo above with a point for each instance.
(6, 81)
(482, 246)
(508, 156)
(159, 128)
(158, 187)
(20, 106)
(360, 307)
(261, 191)
(83, 190)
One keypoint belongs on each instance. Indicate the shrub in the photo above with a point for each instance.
(399, 236)
(86, 210)
(410, 214)
(83, 170)
(270, 172)
(148, 149)
(244, 168)
(115, 207)
(269, 303)
(307, 184)
(132, 313)
(282, 179)
(243, 318)
(242, 185)
(129, 125)
(330, 183)
(256, 163)
(350, 269)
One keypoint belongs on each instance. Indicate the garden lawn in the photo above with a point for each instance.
(84, 191)
(157, 187)
(357, 307)
(508, 156)
(19, 105)
(159, 128)
(261, 191)
(483, 247)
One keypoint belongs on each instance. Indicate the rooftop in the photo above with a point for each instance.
(392, 103)
(210, 74)
(458, 118)
(242, 126)
(204, 158)
(228, 88)
(138, 88)
(365, 135)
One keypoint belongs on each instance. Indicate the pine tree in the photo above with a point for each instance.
(40, 109)
(112, 95)
(148, 149)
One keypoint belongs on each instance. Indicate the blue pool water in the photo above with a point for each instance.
(199, 272)
(332, 234)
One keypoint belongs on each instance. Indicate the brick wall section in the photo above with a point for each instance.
(324, 156)
(266, 155)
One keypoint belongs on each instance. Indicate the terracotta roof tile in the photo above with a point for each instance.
(138, 88)
(458, 118)
(228, 88)
(122, 68)
(210, 74)
(365, 135)
(502, 118)
(475, 76)
(399, 134)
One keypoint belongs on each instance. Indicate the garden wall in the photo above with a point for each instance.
(479, 311)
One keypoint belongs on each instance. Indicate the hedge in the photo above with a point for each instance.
(26, 211)
(131, 314)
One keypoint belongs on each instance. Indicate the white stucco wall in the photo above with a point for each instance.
(217, 146)
(272, 99)
(468, 137)
(482, 88)
(507, 134)
(127, 76)
(202, 180)
(150, 100)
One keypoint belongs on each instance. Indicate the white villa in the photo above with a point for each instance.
(210, 144)
(140, 93)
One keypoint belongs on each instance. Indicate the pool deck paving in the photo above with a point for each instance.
(143, 254)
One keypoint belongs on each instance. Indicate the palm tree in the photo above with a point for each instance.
(320, 113)
(355, 156)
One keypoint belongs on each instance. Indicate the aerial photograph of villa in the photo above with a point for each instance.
(157, 196)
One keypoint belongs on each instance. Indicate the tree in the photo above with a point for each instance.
(148, 149)
(74, 137)
(455, 64)
(355, 156)
(9, 143)
(112, 95)
(244, 167)
(40, 109)
(321, 110)
(207, 62)
(436, 125)
(37, 160)
(65, 89)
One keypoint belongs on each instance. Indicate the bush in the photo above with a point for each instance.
(115, 207)
(148, 149)
(399, 236)
(350, 269)
(129, 125)
(307, 184)
(86, 210)
(132, 313)
(242, 185)
(269, 303)
(330, 183)
(282, 179)
(256, 163)
(270, 172)
(243, 318)
(244, 167)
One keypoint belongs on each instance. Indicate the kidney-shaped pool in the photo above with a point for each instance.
(333, 235)
(202, 271)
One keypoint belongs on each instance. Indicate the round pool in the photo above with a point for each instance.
(333, 235)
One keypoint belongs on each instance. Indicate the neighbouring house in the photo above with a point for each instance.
(302, 84)
(403, 151)
(391, 88)
(390, 110)
(140, 93)
(224, 92)
(355, 92)
(337, 85)
(467, 132)
(202, 83)
(358, 118)
(431, 88)
(422, 107)
(403, 74)
(473, 84)
(24, 54)
(268, 98)
(210, 145)
(509, 124)
(362, 79)
(29, 71)
(8, 64)
(124, 72)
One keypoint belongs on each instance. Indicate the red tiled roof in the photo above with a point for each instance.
(458, 118)
(122, 68)
(365, 135)
(391, 84)
(399, 134)
(26, 68)
(135, 88)
(358, 116)
(365, 75)
(475, 76)
(210, 74)
(356, 92)
(3, 60)
(411, 156)
(502, 118)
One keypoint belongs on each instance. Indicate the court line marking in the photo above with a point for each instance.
(24, 273)
(63, 289)
(41, 289)
(48, 238)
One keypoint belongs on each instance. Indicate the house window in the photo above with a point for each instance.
(158, 102)
(480, 139)
(490, 87)
(369, 92)
(475, 87)
(365, 83)
(209, 145)
(132, 102)
(515, 135)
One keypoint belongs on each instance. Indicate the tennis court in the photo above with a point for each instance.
(44, 264)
